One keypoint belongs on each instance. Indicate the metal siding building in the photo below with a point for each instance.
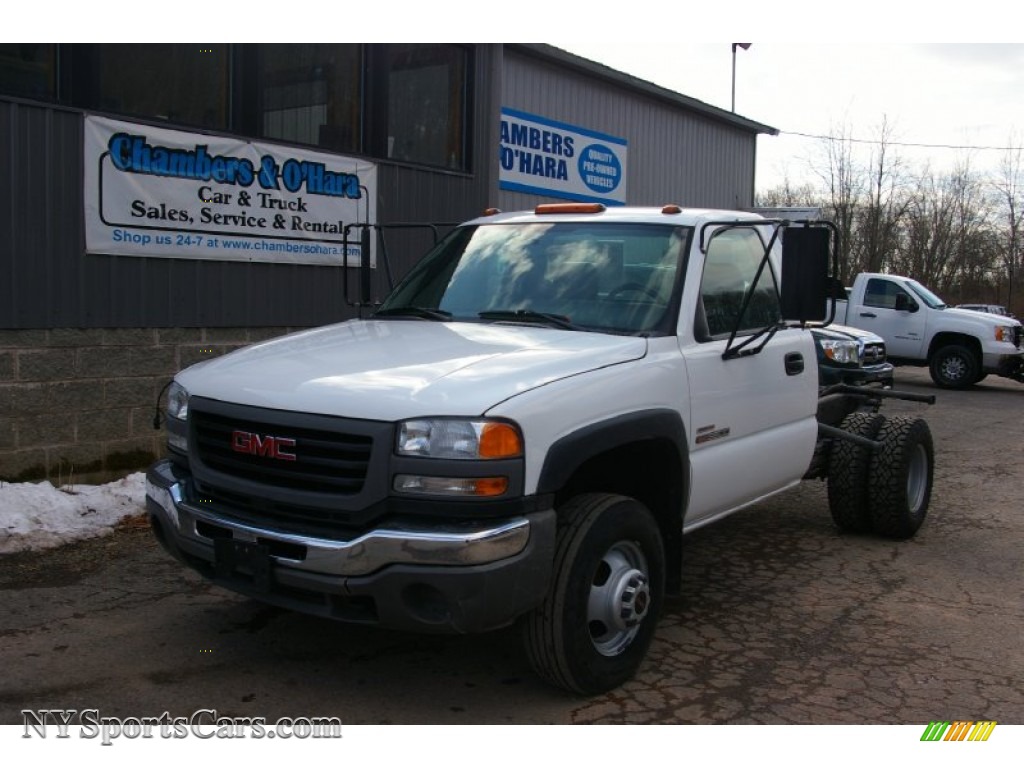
(680, 150)
(48, 281)
(88, 339)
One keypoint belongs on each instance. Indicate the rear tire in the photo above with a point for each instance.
(902, 472)
(592, 631)
(848, 468)
(954, 367)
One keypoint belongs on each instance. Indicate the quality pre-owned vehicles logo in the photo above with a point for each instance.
(262, 445)
(958, 730)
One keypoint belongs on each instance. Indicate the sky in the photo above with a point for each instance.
(959, 95)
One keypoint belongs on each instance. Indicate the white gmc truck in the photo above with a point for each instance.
(524, 430)
(959, 346)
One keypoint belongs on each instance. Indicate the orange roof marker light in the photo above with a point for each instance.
(491, 211)
(569, 208)
(671, 208)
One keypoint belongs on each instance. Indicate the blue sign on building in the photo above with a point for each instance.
(546, 157)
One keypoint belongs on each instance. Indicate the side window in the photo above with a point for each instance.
(729, 270)
(881, 293)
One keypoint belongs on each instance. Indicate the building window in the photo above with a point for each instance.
(311, 94)
(427, 104)
(183, 83)
(28, 70)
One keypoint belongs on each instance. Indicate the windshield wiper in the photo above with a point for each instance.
(530, 316)
(423, 313)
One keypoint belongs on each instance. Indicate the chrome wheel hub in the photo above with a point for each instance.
(917, 478)
(620, 597)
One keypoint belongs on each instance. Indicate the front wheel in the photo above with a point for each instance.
(592, 631)
(954, 367)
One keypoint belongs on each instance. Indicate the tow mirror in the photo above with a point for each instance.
(365, 289)
(806, 284)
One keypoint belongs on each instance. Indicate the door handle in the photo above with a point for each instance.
(794, 364)
(868, 314)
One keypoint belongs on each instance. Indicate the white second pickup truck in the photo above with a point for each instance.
(960, 347)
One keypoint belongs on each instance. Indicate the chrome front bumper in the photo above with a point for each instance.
(461, 576)
(453, 545)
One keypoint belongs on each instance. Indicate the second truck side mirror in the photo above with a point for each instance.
(905, 304)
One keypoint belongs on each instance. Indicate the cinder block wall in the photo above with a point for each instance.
(77, 406)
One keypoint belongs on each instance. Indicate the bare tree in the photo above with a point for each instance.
(946, 232)
(843, 194)
(785, 195)
(1008, 188)
(958, 233)
(879, 218)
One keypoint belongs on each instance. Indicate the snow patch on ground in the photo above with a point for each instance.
(39, 516)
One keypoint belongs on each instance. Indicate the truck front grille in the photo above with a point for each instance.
(301, 458)
(262, 512)
(874, 353)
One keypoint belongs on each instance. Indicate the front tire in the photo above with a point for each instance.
(592, 631)
(954, 367)
(902, 472)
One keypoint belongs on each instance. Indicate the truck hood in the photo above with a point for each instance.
(836, 331)
(985, 318)
(397, 369)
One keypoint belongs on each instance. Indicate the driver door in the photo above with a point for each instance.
(753, 423)
(902, 329)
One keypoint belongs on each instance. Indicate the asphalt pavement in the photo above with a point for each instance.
(782, 620)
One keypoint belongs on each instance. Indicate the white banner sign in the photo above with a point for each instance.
(159, 192)
(545, 157)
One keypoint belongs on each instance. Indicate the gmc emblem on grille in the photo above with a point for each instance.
(262, 445)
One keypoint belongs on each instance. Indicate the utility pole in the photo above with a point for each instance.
(744, 46)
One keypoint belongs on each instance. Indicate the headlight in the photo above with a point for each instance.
(177, 413)
(841, 351)
(459, 439)
(1004, 333)
(177, 401)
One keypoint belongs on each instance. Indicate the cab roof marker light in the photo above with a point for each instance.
(491, 211)
(550, 208)
(671, 208)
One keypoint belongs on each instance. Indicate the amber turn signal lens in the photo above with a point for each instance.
(500, 441)
(491, 486)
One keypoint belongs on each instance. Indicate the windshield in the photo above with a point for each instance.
(609, 277)
(927, 296)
